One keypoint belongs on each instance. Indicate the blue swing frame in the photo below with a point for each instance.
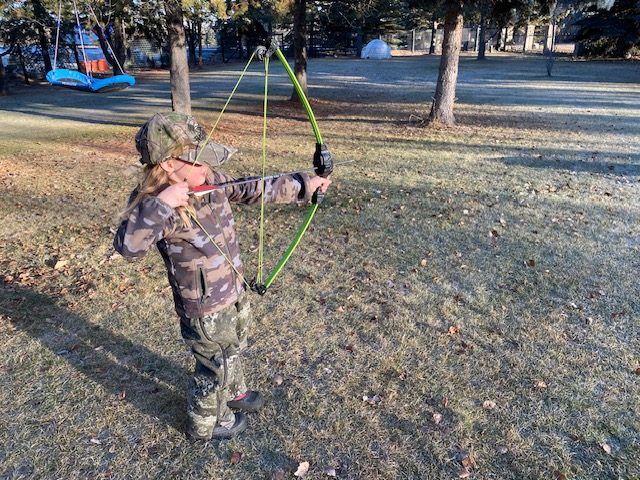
(61, 77)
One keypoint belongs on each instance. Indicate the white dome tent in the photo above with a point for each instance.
(376, 49)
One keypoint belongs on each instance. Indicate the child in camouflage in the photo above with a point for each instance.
(199, 246)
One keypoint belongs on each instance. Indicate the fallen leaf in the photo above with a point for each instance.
(530, 263)
(540, 384)
(638, 371)
(468, 462)
(122, 395)
(437, 418)
(329, 471)
(606, 447)
(235, 458)
(302, 470)
(453, 330)
(493, 233)
(349, 348)
(464, 474)
(489, 405)
(375, 400)
(60, 264)
(560, 475)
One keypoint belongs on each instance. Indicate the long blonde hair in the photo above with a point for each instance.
(152, 181)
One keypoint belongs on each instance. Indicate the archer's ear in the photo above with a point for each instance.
(168, 166)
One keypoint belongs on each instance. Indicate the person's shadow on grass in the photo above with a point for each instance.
(106, 358)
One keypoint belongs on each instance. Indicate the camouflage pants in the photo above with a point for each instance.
(216, 341)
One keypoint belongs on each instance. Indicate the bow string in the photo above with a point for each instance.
(322, 165)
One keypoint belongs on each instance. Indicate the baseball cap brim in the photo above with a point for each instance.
(213, 154)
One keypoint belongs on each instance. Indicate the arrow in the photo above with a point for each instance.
(205, 189)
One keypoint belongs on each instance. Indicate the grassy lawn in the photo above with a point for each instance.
(464, 306)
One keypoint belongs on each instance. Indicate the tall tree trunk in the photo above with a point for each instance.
(119, 40)
(482, 40)
(549, 43)
(106, 51)
(4, 83)
(300, 45)
(23, 65)
(199, 30)
(222, 42)
(359, 38)
(179, 68)
(444, 98)
(42, 17)
(434, 32)
(190, 34)
(75, 54)
(312, 39)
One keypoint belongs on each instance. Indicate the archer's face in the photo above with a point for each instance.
(181, 171)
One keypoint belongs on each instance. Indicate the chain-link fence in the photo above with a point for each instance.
(531, 39)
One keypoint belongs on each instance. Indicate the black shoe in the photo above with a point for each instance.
(240, 425)
(250, 401)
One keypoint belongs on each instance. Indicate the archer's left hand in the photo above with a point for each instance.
(319, 183)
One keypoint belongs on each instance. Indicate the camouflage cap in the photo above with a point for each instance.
(167, 135)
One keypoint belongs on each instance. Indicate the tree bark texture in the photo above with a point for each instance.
(179, 67)
(300, 45)
(41, 15)
(482, 40)
(444, 98)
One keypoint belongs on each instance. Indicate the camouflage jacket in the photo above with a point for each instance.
(201, 279)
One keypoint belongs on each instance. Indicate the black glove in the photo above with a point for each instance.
(322, 163)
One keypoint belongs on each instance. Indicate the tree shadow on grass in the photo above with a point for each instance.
(612, 168)
(90, 349)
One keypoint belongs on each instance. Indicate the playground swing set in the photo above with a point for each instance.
(85, 82)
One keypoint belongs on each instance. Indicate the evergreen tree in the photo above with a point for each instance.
(611, 33)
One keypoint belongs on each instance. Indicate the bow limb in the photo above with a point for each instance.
(322, 165)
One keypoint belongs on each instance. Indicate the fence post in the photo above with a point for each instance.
(528, 37)
(476, 46)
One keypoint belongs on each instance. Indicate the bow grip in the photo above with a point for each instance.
(317, 197)
(322, 162)
(259, 288)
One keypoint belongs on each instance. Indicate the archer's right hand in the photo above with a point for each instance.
(176, 195)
